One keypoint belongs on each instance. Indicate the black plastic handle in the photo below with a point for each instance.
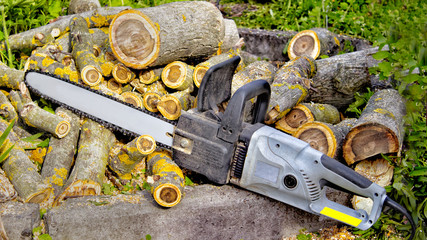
(232, 119)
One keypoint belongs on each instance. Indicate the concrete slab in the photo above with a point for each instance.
(19, 219)
(206, 212)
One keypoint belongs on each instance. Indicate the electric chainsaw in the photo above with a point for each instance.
(221, 146)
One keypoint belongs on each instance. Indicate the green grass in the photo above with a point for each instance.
(402, 25)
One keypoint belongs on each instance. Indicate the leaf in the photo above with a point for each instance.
(188, 181)
(148, 237)
(45, 237)
(96, 203)
(380, 55)
(32, 137)
(55, 9)
(385, 68)
(45, 143)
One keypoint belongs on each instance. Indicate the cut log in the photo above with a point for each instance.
(168, 180)
(308, 112)
(254, 71)
(88, 172)
(314, 43)
(34, 116)
(100, 17)
(79, 6)
(128, 156)
(171, 105)
(7, 191)
(231, 36)
(82, 45)
(178, 75)
(58, 161)
(7, 110)
(290, 87)
(25, 178)
(114, 86)
(133, 98)
(339, 77)
(201, 68)
(9, 77)
(122, 74)
(152, 95)
(159, 35)
(378, 171)
(379, 128)
(325, 137)
(148, 76)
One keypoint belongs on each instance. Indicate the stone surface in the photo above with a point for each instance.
(205, 212)
(19, 219)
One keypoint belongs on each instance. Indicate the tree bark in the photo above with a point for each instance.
(339, 77)
(128, 156)
(325, 137)
(170, 32)
(254, 71)
(308, 112)
(25, 178)
(9, 77)
(83, 52)
(168, 185)
(314, 43)
(58, 161)
(7, 191)
(231, 36)
(7, 110)
(80, 6)
(178, 75)
(290, 87)
(88, 172)
(100, 17)
(379, 128)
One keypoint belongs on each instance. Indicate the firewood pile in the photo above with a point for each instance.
(155, 58)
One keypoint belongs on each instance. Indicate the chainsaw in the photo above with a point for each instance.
(225, 149)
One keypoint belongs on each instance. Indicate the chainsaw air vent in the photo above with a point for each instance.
(313, 188)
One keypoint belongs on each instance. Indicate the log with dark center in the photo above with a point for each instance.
(133, 98)
(308, 112)
(325, 137)
(168, 180)
(379, 128)
(171, 105)
(122, 74)
(149, 76)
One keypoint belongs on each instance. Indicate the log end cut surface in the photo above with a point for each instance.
(150, 101)
(146, 144)
(91, 76)
(169, 107)
(368, 140)
(134, 39)
(304, 43)
(298, 116)
(199, 73)
(62, 129)
(319, 136)
(167, 195)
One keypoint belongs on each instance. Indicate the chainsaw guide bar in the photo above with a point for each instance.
(116, 113)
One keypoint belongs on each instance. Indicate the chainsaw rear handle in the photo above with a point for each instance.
(231, 123)
(289, 170)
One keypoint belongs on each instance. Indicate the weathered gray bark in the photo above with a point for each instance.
(339, 77)
(79, 6)
(9, 77)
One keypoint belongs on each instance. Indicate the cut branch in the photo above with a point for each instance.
(178, 75)
(168, 185)
(171, 105)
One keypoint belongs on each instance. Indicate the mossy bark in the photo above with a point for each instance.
(88, 172)
(128, 156)
(25, 178)
(168, 180)
(59, 160)
(9, 77)
(379, 128)
(83, 52)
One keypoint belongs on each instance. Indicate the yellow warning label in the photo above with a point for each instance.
(341, 216)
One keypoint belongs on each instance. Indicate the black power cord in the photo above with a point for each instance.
(396, 206)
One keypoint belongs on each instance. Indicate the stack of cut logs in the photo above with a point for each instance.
(155, 58)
